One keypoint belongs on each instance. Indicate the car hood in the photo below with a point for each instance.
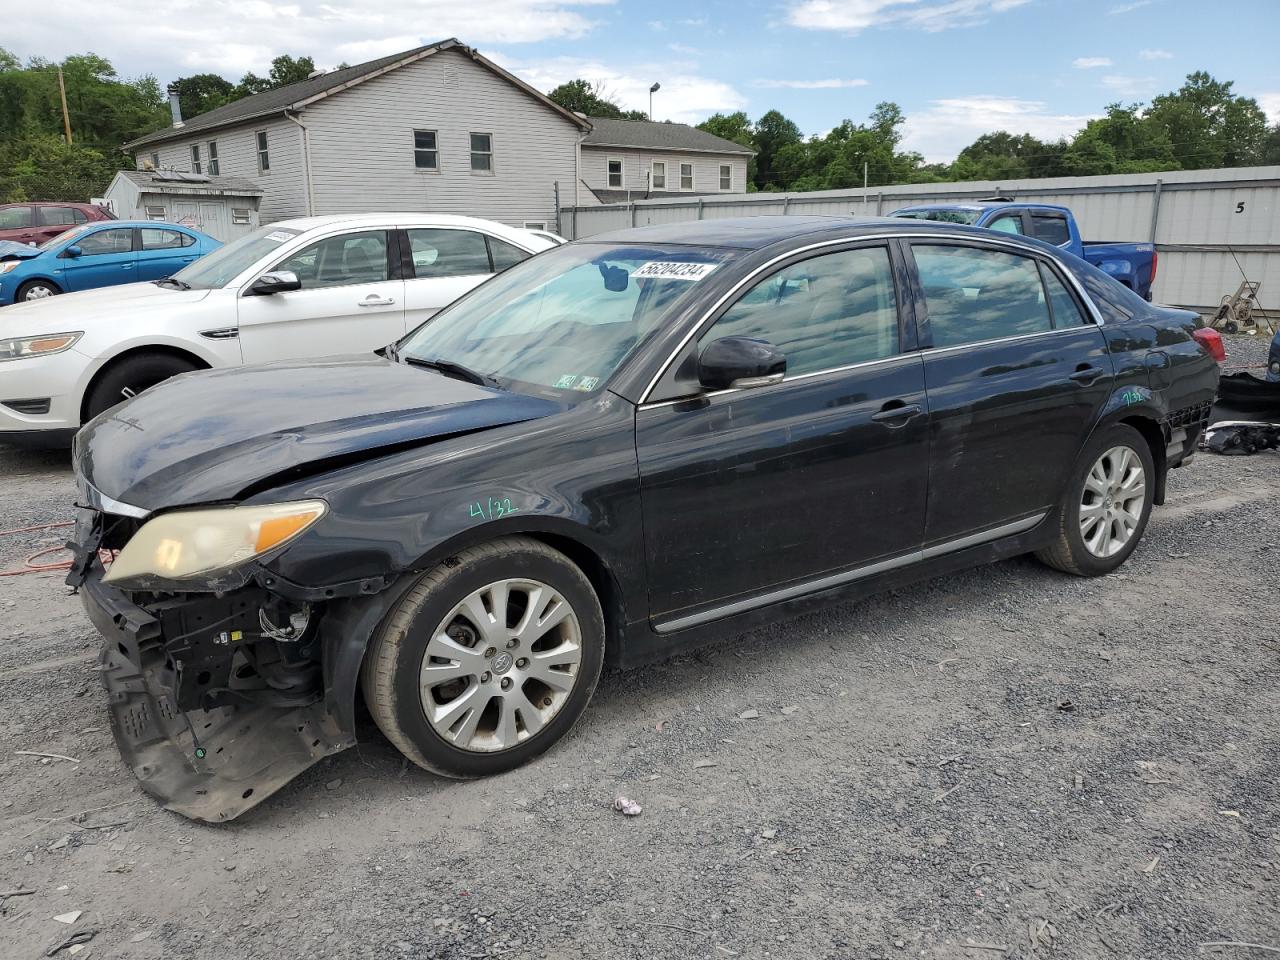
(71, 311)
(13, 250)
(215, 434)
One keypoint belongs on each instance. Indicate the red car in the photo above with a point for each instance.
(38, 222)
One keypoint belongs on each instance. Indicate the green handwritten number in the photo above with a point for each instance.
(491, 509)
(476, 511)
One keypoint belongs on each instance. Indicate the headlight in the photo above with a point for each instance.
(21, 347)
(193, 543)
(10, 265)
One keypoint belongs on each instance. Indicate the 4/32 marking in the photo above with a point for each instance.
(491, 509)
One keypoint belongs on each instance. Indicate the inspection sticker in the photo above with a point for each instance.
(661, 270)
(279, 236)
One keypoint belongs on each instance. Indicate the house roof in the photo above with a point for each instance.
(164, 181)
(647, 135)
(295, 96)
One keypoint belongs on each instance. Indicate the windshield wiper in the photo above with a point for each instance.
(456, 370)
(174, 281)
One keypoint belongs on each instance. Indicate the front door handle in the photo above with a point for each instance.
(897, 413)
(1086, 375)
(375, 302)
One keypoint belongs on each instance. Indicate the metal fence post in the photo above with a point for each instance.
(786, 202)
(1155, 207)
(633, 214)
(699, 208)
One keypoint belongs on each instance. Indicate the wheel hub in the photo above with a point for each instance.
(501, 663)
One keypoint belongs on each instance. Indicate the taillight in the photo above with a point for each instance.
(1155, 262)
(1211, 340)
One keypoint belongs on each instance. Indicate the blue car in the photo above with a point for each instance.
(98, 255)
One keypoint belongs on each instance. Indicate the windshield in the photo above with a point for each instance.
(62, 237)
(217, 269)
(563, 321)
(941, 216)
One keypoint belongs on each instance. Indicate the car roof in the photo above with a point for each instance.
(981, 205)
(355, 220)
(753, 233)
(117, 224)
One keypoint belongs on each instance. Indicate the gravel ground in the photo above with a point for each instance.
(1246, 352)
(1003, 763)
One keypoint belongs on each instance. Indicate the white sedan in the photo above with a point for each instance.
(298, 288)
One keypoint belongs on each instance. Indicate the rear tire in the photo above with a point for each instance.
(130, 377)
(463, 676)
(36, 290)
(1107, 504)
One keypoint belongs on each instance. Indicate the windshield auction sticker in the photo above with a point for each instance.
(279, 236)
(661, 270)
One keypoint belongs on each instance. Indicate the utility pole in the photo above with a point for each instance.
(66, 117)
(652, 90)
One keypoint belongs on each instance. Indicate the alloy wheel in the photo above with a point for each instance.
(1115, 491)
(501, 665)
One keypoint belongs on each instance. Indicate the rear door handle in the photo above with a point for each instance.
(375, 302)
(896, 413)
(1087, 375)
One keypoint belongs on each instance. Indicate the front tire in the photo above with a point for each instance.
(1107, 504)
(36, 290)
(130, 377)
(488, 660)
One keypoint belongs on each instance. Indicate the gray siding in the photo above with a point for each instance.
(636, 165)
(361, 145)
(284, 186)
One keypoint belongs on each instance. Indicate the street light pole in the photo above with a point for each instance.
(652, 90)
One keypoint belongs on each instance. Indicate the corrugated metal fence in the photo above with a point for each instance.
(1212, 227)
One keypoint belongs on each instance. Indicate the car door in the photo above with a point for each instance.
(163, 251)
(106, 258)
(1016, 372)
(351, 301)
(444, 263)
(747, 492)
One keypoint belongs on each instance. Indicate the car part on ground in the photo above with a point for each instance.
(559, 441)
(1245, 391)
(1241, 437)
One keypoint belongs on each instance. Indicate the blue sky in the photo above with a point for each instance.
(958, 68)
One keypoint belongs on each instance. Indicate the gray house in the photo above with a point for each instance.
(437, 129)
(626, 160)
(223, 207)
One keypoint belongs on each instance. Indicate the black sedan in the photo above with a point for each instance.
(613, 450)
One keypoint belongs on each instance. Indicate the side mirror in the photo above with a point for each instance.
(282, 281)
(72, 251)
(740, 363)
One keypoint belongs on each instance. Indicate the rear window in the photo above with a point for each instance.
(1114, 300)
(1050, 228)
(54, 216)
(969, 217)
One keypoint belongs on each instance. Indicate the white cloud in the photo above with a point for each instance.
(948, 126)
(1270, 104)
(686, 96)
(1155, 54)
(831, 84)
(232, 36)
(1089, 63)
(852, 16)
(1129, 7)
(1129, 86)
(684, 50)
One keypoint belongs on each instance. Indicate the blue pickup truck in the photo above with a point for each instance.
(1133, 264)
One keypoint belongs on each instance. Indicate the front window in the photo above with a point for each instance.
(615, 174)
(426, 156)
(106, 242)
(195, 158)
(726, 177)
(561, 323)
(61, 238)
(340, 261)
(482, 153)
(967, 217)
(659, 175)
(217, 269)
(15, 218)
(213, 158)
(264, 155)
(1011, 223)
(686, 176)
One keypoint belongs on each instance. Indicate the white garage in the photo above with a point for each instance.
(223, 207)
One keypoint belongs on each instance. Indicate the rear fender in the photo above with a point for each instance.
(1143, 410)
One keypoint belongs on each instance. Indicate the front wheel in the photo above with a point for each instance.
(36, 290)
(488, 660)
(1107, 505)
(130, 377)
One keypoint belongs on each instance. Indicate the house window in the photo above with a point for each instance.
(264, 158)
(482, 153)
(213, 158)
(614, 172)
(535, 224)
(686, 176)
(425, 154)
(195, 158)
(155, 212)
(240, 216)
(726, 177)
(658, 181)
(155, 161)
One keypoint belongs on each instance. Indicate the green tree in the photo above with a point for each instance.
(773, 132)
(202, 92)
(1207, 125)
(44, 167)
(591, 99)
(737, 128)
(284, 71)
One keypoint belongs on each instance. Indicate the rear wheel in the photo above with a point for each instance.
(488, 660)
(130, 377)
(1107, 505)
(37, 290)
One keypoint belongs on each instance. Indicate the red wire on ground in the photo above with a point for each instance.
(30, 565)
